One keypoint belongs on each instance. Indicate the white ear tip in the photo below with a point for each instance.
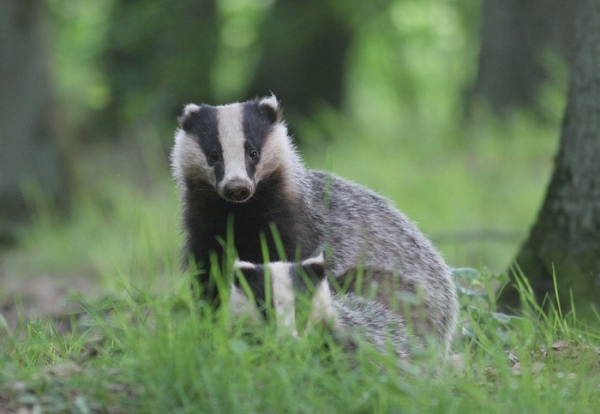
(189, 108)
(320, 259)
(271, 101)
(240, 264)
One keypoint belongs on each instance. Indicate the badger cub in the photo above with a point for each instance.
(241, 177)
(303, 286)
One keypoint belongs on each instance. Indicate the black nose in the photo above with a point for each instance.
(236, 190)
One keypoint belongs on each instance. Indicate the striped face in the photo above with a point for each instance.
(287, 287)
(231, 147)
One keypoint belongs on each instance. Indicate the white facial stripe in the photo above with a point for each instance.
(279, 154)
(322, 309)
(241, 307)
(275, 152)
(231, 134)
(188, 160)
(284, 302)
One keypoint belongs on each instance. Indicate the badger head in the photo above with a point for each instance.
(284, 284)
(231, 147)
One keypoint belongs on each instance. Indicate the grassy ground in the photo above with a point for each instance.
(97, 318)
(151, 353)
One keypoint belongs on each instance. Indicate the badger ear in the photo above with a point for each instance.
(315, 267)
(316, 259)
(188, 110)
(269, 106)
(243, 269)
(190, 116)
(240, 264)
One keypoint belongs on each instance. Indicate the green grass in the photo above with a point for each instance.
(134, 342)
(152, 353)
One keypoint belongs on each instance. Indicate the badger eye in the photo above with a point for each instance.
(253, 155)
(214, 156)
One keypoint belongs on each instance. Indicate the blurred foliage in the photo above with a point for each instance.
(79, 36)
(304, 49)
(121, 64)
(124, 69)
(411, 65)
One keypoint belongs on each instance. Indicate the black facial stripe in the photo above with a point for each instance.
(257, 124)
(306, 278)
(204, 126)
(300, 281)
(219, 167)
(256, 280)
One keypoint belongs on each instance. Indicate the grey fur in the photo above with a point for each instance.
(362, 230)
(372, 322)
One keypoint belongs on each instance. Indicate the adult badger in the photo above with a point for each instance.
(236, 164)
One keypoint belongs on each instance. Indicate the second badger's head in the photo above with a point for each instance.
(290, 288)
(231, 147)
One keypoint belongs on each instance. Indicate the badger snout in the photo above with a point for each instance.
(237, 190)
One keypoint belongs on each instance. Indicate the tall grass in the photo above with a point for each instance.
(153, 353)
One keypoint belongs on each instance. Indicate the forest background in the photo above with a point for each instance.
(452, 109)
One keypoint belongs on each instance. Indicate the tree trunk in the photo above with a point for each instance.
(30, 153)
(304, 57)
(515, 36)
(566, 236)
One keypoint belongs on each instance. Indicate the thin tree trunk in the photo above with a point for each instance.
(313, 70)
(515, 36)
(29, 152)
(566, 236)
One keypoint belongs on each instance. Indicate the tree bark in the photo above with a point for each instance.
(30, 152)
(304, 57)
(566, 236)
(515, 36)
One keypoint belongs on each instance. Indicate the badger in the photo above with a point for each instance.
(241, 178)
(351, 319)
